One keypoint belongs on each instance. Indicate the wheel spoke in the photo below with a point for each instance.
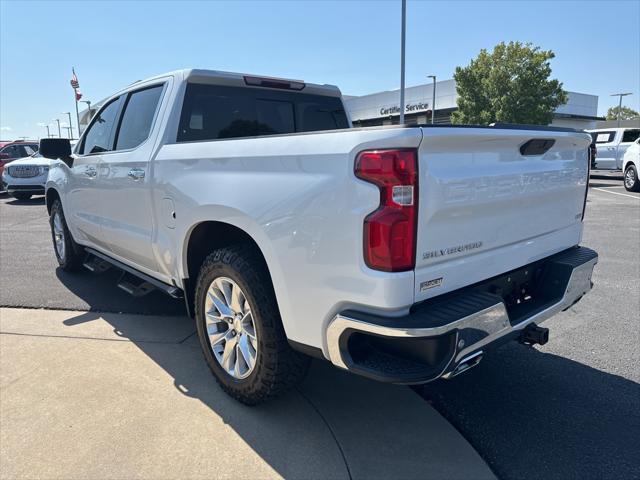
(247, 325)
(215, 337)
(247, 351)
(236, 366)
(219, 303)
(225, 288)
(227, 356)
(237, 299)
(211, 315)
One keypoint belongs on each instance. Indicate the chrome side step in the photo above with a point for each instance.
(95, 264)
(127, 282)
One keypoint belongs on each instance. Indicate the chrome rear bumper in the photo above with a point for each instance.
(458, 326)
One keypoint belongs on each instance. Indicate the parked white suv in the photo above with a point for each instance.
(399, 253)
(611, 144)
(25, 177)
(630, 165)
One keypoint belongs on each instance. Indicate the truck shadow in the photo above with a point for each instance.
(33, 201)
(275, 431)
(528, 413)
(537, 415)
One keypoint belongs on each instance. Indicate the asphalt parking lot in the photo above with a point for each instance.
(569, 409)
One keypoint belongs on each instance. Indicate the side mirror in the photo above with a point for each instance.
(56, 149)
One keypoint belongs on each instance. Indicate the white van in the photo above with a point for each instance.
(611, 144)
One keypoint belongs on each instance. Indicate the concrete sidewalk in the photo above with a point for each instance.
(86, 395)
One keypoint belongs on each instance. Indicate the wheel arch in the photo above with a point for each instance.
(206, 236)
(51, 196)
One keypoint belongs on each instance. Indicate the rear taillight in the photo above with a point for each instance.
(390, 231)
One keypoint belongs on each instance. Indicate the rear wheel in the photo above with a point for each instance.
(68, 252)
(21, 196)
(631, 182)
(240, 330)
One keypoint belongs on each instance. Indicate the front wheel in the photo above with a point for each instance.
(240, 329)
(631, 182)
(68, 253)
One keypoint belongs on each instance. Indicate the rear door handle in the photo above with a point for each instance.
(136, 174)
(90, 172)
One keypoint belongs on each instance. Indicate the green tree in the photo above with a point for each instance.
(626, 113)
(509, 85)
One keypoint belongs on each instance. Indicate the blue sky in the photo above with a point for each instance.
(353, 44)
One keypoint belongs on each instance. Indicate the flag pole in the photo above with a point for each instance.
(75, 97)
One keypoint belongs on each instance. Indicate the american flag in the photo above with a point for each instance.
(74, 80)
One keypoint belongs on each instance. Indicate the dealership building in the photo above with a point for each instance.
(383, 108)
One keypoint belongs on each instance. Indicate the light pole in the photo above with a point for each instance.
(620, 104)
(404, 22)
(70, 125)
(48, 134)
(59, 131)
(69, 132)
(433, 101)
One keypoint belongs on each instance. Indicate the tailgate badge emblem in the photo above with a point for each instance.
(436, 282)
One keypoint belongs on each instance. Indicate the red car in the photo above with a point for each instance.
(12, 150)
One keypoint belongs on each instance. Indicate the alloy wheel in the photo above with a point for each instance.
(58, 235)
(230, 328)
(629, 178)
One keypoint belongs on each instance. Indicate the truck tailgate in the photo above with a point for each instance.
(485, 208)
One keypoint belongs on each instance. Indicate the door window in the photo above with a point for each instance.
(630, 135)
(99, 137)
(138, 117)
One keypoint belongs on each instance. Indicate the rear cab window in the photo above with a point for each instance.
(603, 137)
(212, 112)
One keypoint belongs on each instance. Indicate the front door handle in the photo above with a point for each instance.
(136, 174)
(90, 172)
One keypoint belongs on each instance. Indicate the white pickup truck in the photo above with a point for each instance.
(400, 253)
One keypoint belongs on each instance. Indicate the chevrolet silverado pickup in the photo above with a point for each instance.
(401, 253)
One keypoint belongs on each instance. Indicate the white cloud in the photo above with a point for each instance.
(6, 129)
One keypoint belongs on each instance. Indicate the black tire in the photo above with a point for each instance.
(630, 179)
(23, 197)
(277, 366)
(71, 257)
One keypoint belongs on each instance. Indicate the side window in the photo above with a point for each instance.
(99, 137)
(603, 137)
(27, 151)
(13, 151)
(630, 135)
(138, 116)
